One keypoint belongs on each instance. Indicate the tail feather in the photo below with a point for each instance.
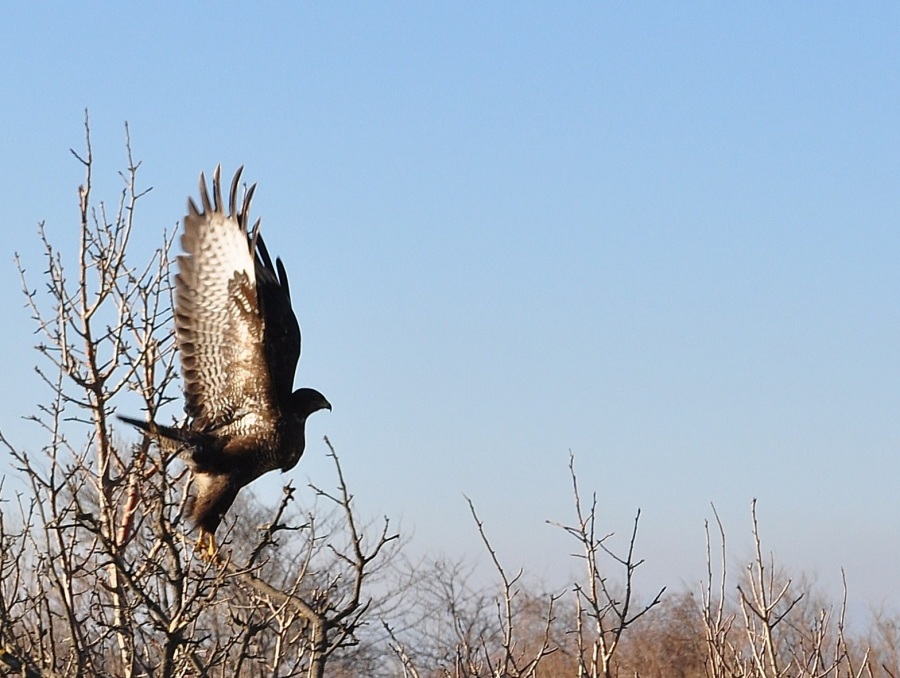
(169, 438)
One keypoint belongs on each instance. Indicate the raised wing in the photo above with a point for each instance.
(282, 332)
(218, 324)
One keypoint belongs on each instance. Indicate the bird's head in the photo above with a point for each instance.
(305, 401)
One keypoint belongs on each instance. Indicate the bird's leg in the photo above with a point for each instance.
(206, 544)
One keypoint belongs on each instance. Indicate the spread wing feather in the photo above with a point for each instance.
(218, 322)
(282, 332)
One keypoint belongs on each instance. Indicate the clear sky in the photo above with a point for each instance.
(665, 237)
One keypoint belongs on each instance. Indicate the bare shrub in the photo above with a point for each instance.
(668, 642)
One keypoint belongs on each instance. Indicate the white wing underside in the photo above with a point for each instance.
(217, 320)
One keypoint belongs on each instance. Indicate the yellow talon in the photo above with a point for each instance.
(206, 544)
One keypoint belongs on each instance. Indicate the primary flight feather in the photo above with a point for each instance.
(239, 343)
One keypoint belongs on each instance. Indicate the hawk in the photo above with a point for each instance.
(239, 344)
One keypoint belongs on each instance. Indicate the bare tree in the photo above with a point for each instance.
(513, 660)
(718, 623)
(511, 631)
(775, 626)
(455, 629)
(603, 613)
(97, 575)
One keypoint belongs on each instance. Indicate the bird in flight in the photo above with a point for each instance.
(239, 344)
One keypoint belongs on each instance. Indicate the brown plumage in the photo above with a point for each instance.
(239, 343)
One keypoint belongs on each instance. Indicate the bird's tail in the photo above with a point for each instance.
(169, 438)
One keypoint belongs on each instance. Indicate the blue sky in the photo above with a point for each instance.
(663, 237)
